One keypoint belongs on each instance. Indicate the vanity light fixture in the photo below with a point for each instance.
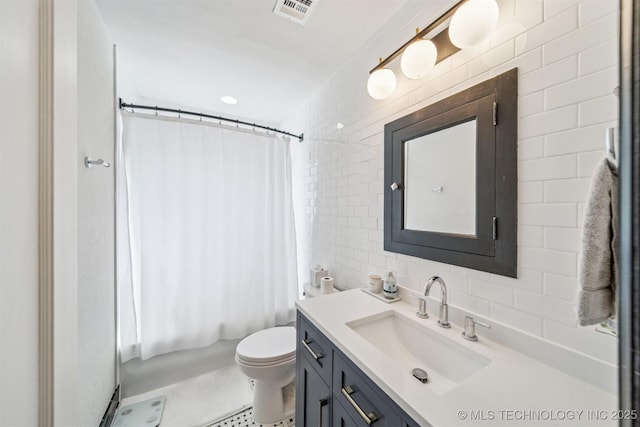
(466, 24)
(473, 22)
(418, 58)
(381, 83)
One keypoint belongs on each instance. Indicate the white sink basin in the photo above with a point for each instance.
(412, 345)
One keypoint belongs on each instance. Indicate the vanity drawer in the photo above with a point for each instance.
(341, 417)
(361, 399)
(315, 347)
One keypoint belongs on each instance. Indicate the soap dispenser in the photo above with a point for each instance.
(390, 288)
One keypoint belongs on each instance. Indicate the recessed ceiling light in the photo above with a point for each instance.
(229, 100)
(339, 125)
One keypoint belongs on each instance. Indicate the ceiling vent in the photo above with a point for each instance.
(297, 11)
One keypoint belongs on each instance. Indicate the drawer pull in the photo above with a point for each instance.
(321, 404)
(369, 418)
(315, 355)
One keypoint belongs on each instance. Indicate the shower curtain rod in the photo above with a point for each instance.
(124, 105)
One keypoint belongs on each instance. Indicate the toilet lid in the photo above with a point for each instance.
(268, 345)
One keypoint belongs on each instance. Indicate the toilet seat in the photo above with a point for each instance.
(275, 363)
(268, 347)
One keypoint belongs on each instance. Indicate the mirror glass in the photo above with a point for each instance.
(440, 181)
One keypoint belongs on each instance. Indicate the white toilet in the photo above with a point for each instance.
(269, 357)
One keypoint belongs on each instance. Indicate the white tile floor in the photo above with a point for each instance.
(199, 401)
(245, 419)
(220, 398)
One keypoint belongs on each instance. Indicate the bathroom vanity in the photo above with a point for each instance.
(334, 391)
(355, 356)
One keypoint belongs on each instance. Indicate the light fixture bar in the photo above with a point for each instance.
(441, 40)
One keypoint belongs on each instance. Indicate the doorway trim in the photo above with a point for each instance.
(58, 161)
(45, 218)
(629, 209)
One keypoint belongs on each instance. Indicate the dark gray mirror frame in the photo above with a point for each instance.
(494, 249)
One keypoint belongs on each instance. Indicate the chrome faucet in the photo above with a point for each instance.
(470, 328)
(444, 307)
(422, 307)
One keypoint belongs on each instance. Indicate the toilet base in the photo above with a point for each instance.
(271, 404)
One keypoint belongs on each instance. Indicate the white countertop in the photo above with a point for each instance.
(512, 389)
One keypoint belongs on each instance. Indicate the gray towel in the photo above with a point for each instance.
(598, 270)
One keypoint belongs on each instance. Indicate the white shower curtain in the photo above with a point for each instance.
(206, 237)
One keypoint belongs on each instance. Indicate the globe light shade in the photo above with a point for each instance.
(381, 83)
(418, 59)
(473, 22)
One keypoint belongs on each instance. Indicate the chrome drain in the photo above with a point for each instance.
(421, 375)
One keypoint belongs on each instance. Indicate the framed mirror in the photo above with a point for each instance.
(451, 179)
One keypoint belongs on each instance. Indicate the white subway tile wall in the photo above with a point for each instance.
(566, 51)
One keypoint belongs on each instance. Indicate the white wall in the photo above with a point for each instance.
(96, 311)
(19, 59)
(566, 53)
(64, 79)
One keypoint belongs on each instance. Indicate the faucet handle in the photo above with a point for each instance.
(470, 328)
(422, 307)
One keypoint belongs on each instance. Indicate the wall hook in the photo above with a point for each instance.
(99, 162)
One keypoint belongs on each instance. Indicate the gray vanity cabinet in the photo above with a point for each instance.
(313, 376)
(341, 418)
(313, 400)
(332, 391)
(362, 399)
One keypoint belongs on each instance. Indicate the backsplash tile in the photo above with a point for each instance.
(547, 31)
(548, 261)
(581, 89)
(545, 307)
(600, 110)
(566, 190)
(547, 168)
(470, 303)
(576, 140)
(591, 10)
(582, 339)
(602, 56)
(563, 287)
(553, 7)
(491, 291)
(529, 280)
(548, 76)
(584, 38)
(531, 236)
(516, 318)
(531, 192)
(550, 214)
(562, 239)
(548, 122)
